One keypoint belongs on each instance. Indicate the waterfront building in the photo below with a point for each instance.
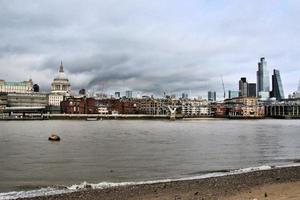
(277, 89)
(212, 96)
(3, 101)
(128, 94)
(27, 100)
(110, 105)
(251, 90)
(243, 87)
(195, 108)
(287, 108)
(218, 109)
(81, 105)
(244, 107)
(233, 94)
(60, 88)
(263, 80)
(16, 87)
(24, 105)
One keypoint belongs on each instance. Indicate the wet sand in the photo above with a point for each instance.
(278, 183)
(279, 191)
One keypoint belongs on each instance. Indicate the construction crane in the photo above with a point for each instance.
(223, 86)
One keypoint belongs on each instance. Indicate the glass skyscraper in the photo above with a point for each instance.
(277, 89)
(251, 89)
(212, 96)
(233, 94)
(263, 79)
(243, 87)
(128, 94)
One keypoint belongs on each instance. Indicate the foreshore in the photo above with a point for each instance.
(277, 183)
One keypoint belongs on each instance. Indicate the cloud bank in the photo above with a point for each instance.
(149, 47)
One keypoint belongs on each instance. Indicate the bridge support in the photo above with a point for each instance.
(172, 113)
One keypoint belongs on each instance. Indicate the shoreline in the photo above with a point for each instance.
(222, 187)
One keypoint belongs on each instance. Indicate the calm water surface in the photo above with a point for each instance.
(118, 151)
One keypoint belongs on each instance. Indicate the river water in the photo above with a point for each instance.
(138, 150)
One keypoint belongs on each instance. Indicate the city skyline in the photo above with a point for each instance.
(139, 46)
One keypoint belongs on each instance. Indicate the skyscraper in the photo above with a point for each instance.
(243, 87)
(117, 94)
(233, 94)
(251, 90)
(184, 96)
(277, 89)
(129, 94)
(263, 79)
(212, 96)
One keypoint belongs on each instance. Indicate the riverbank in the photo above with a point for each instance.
(277, 183)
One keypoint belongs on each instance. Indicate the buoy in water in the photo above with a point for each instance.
(54, 137)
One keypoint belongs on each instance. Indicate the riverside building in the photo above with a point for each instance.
(16, 87)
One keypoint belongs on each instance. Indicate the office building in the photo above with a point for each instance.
(117, 95)
(3, 101)
(82, 92)
(233, 94)
(243, 87)
(16, 87)
(263, 80)
(36, 88)
(21, 100)
(128, 94)
(212, 96)
(277, 89)
(184, 96)
(251, 90)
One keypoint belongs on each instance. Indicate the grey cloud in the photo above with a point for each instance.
(148, 46)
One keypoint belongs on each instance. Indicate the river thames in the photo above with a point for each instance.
(138, 150)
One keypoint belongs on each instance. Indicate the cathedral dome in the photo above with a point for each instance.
(61, 74)
(60, 84)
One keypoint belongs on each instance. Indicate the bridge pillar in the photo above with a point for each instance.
(293, 112)
(172, 113)
(271, 110)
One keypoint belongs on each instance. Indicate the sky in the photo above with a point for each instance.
(150, 47)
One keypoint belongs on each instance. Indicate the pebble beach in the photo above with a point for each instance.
(277, 183)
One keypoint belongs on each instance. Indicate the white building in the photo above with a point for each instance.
(60, 88)
(16, 87)
(55, 99)
(195, 108)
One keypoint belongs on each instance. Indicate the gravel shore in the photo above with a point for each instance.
(239, 186)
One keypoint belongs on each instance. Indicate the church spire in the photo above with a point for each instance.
(61, 68)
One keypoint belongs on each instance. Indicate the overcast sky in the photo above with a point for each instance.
(149, 46)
